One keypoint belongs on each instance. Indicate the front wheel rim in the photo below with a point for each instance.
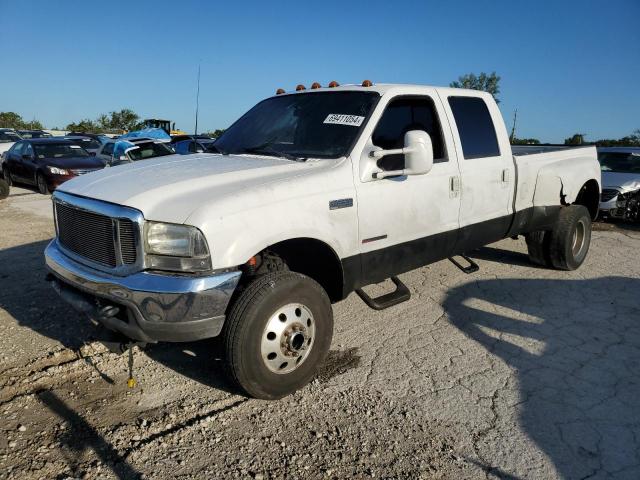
(288, 338)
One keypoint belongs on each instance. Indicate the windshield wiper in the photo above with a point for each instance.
(267, 149)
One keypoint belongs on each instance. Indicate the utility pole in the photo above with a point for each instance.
(195, 133)
(513, 128)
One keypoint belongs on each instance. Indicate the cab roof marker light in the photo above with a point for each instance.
(315, 85)
(300, 87)
(280, 91)
(333, 84)
(367, 83)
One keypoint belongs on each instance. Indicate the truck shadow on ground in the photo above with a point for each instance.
(575, 348)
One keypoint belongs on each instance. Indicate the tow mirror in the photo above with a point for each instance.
(417, 151)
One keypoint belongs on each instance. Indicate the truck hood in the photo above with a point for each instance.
(625, 182)
(170, 188)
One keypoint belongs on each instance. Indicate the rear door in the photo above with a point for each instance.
(486, 168)
(14, 160)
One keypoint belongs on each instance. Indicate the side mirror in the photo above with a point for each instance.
(418, 155)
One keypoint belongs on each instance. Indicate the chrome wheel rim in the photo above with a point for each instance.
(579, 238)
(288, 338)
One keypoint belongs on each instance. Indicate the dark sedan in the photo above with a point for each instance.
(47, 163)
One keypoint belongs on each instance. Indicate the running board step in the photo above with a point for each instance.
(399, 295)
(471, 268)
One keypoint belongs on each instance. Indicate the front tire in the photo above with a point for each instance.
(277, 334)
(570, 238)
(7, 176)
(4, 189)
(42, 184)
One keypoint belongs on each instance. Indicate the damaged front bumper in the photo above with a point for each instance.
(624, 206)
(144, 306)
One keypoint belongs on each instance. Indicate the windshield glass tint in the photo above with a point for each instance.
(149, 150)
(620, 162)
(59, 150)
(6, 137)
(321, 124)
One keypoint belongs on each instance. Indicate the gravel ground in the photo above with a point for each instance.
(512, 372)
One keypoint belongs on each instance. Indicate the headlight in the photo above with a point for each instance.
(58, 171)
(176, 247)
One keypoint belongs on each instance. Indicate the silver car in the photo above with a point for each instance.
(620, 182)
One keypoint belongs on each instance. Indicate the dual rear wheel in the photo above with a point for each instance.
(565, 246)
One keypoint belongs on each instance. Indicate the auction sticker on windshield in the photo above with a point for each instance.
(341, 119)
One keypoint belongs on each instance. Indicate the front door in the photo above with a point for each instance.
(406, 221)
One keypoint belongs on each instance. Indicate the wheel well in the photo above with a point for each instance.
(589, 196)
(314, 259)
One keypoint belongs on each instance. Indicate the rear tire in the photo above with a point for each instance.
(570, 238)
(7, 176)
(277, 334)
(538, 247)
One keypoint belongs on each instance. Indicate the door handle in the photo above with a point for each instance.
(505, 175)
(454, 186)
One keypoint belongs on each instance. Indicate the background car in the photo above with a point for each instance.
(34, 134)
(100, 137)
(118, 152)
(620, 168)
(47, 163)
(195, 145)
(8, 137)
(89, 144)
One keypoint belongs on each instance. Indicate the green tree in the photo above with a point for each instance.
(487, 83)
(575, 139)
(216, 133)
(84, 126)
(125, 119)
(11, 120)
(525, 141)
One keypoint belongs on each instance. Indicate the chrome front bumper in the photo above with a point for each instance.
(153, 307)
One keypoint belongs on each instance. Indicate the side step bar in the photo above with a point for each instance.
(399, 295)
(471, 268)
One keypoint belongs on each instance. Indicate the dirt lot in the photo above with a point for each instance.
(512, 372)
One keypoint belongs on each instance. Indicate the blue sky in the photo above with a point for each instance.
(568, 66)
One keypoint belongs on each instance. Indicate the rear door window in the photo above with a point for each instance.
(475, 126)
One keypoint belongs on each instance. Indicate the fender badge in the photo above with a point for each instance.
(340, 203)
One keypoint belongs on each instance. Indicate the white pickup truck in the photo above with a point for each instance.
(312, 195)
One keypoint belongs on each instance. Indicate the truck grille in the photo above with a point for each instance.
(608, 194)
(95, 236)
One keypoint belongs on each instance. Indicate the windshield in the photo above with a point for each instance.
(6, 137)
(59, 150)
(149, 150)
(320, 124)
(620, 162)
